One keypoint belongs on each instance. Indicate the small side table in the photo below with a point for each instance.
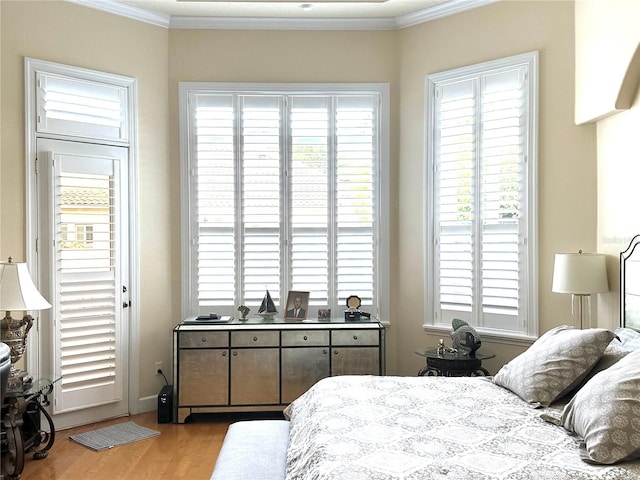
(21, 430)
(453, 364)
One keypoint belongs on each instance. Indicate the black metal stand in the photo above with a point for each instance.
(21, 431)
(447, 367)
(448, 363)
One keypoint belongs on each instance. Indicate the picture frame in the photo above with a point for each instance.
(324, 314)
(297, 306)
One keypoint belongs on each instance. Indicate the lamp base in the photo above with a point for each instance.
(14, 332)
(581, 310)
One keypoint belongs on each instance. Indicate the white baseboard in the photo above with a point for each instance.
(146, 404)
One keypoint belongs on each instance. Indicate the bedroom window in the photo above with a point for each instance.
(284, 189)
(481, 163)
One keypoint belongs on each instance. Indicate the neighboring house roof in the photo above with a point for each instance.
(96, 197)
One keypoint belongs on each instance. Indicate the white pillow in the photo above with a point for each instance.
(605, 412)
(554, 364)
(629, 338)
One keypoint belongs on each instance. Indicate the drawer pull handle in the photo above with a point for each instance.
(235, 354)
(305, 337)
(324, 351)
(224, 354)
(204, 339)
(335, 352)
(355, 337)
(255, 339)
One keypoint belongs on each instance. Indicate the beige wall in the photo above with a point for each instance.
(566, 157)
(69, 34)
(618, 177)
(159, 59)
(287, 56)
(607, 53)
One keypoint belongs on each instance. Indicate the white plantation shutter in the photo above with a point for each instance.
(215, 201)
(285, 190)
(456, 186)
(310, 202)
(261, 197)
(87, 302)
(504, 150)
(81, 108)
(355, 177)
(482, 155)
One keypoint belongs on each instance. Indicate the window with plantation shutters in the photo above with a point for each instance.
(81, 107)
(481, 168)
(282, 189)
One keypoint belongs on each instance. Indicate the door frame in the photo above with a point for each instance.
(33, 358)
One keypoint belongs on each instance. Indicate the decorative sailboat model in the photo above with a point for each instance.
(267, 308)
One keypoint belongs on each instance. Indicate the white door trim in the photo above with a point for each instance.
(31, 65)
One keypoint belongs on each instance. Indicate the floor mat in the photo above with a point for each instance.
(113, 436)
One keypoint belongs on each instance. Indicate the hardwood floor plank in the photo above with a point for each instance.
(181, 451)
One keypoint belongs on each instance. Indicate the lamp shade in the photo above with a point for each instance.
(17, 291)
(580, 273)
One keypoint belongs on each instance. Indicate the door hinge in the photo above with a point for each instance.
(126, 304)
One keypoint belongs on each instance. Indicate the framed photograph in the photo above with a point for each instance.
(297, 305)
(324, 314)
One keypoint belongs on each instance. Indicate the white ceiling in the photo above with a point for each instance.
(284, 14)
(286, 8)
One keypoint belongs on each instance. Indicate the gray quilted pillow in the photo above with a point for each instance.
(606, 413)
(612, 354)
(554, 364)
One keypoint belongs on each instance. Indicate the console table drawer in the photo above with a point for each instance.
(255, 339)
(303, 338)
(355, 337)
(204, 339)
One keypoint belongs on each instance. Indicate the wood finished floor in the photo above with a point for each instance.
(180, 451)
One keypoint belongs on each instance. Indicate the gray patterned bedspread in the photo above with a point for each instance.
(383, 428)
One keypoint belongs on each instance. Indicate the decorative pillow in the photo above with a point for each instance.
(606, 413)
(554, 364)
(612, 355)
(614, 352)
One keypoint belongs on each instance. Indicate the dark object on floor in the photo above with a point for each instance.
(165, 404)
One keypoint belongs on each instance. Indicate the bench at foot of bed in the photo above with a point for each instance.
(253, 450)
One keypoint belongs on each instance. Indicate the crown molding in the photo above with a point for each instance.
(124, 10)
(439, 11)
(260, 23)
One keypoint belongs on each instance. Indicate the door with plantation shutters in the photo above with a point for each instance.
(84, 196)
(81, 202)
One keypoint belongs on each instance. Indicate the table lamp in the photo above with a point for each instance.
(581, 275)
(17, 292)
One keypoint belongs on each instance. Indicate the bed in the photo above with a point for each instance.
(567, 408)
(581, 426)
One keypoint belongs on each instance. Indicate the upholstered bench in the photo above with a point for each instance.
(253, 450)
